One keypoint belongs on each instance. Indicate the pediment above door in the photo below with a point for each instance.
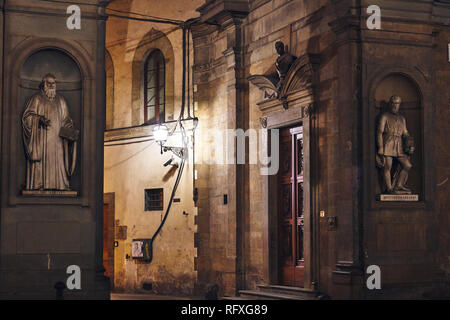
(294, 100)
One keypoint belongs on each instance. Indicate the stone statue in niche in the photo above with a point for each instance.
(394, 147)
(283, 63)
(50, 140)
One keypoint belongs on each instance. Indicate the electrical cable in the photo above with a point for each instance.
(153, 18)
(144, 19)
(73, 2)
(144, 15)
(126, 143)
(186, 28)
(174, 189)
(188, 76)
(183, 93)
(183, 138)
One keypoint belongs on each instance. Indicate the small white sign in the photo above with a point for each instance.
(449, 52)
(136, 249)
(399, 197)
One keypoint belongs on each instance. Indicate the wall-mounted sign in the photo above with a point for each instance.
(121, 232)
(141, 249)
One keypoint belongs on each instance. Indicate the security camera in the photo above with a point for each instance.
(168, 162)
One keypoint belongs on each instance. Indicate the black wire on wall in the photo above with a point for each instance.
(151, 18)
(183, 138)
(184, 25)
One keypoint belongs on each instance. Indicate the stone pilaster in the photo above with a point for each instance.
(222, 227)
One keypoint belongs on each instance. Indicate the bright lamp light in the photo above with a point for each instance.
(160, 133)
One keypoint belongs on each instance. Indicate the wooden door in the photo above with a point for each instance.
(291, 262)
(108, 237)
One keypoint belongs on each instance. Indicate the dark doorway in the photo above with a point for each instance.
(291, 263)
(108, 236)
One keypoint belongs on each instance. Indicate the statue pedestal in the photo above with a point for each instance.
(50, 193)
(398, 197)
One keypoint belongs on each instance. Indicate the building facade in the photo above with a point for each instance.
(287, 165)
(323, 217)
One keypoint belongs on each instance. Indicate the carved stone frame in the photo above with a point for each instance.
(298, 93)
(10, 132)
(424, 86)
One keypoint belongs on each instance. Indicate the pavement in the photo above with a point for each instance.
(147, 296)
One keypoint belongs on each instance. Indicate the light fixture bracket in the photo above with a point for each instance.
(179, 152)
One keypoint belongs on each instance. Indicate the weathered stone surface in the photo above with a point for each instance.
(44, 234)
(233, 244)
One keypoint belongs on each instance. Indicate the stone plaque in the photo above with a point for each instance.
(399, 197)
(121, 233)
(50, 193)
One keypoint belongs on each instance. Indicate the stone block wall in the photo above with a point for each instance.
(129, 169)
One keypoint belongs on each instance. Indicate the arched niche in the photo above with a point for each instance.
(154, 39)
(411, 108)
(68, 84)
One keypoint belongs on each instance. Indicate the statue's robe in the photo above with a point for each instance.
(46, 165)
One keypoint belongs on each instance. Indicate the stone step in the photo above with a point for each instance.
(261, 295)
(233, 298)
(296, 291)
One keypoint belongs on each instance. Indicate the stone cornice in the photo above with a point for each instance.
(89, 10)
(224, 12)
(128, 133)
(203, 30)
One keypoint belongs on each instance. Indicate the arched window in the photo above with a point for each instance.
(154, 88)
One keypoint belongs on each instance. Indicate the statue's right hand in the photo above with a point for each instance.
(44, 122)
(380, 152)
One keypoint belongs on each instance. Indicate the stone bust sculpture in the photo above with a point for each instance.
(283, 63)
(394, 143)
(49, 138)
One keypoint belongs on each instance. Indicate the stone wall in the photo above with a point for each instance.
(441, 114)
(42, 235)
(234, 40)
(349, 52)
(303, 26)
(405, 240)
(131, 168)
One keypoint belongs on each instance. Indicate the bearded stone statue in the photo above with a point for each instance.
(50, 139)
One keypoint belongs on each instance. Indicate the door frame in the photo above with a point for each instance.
(109, 198)
(311, 248)
(296, 104)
